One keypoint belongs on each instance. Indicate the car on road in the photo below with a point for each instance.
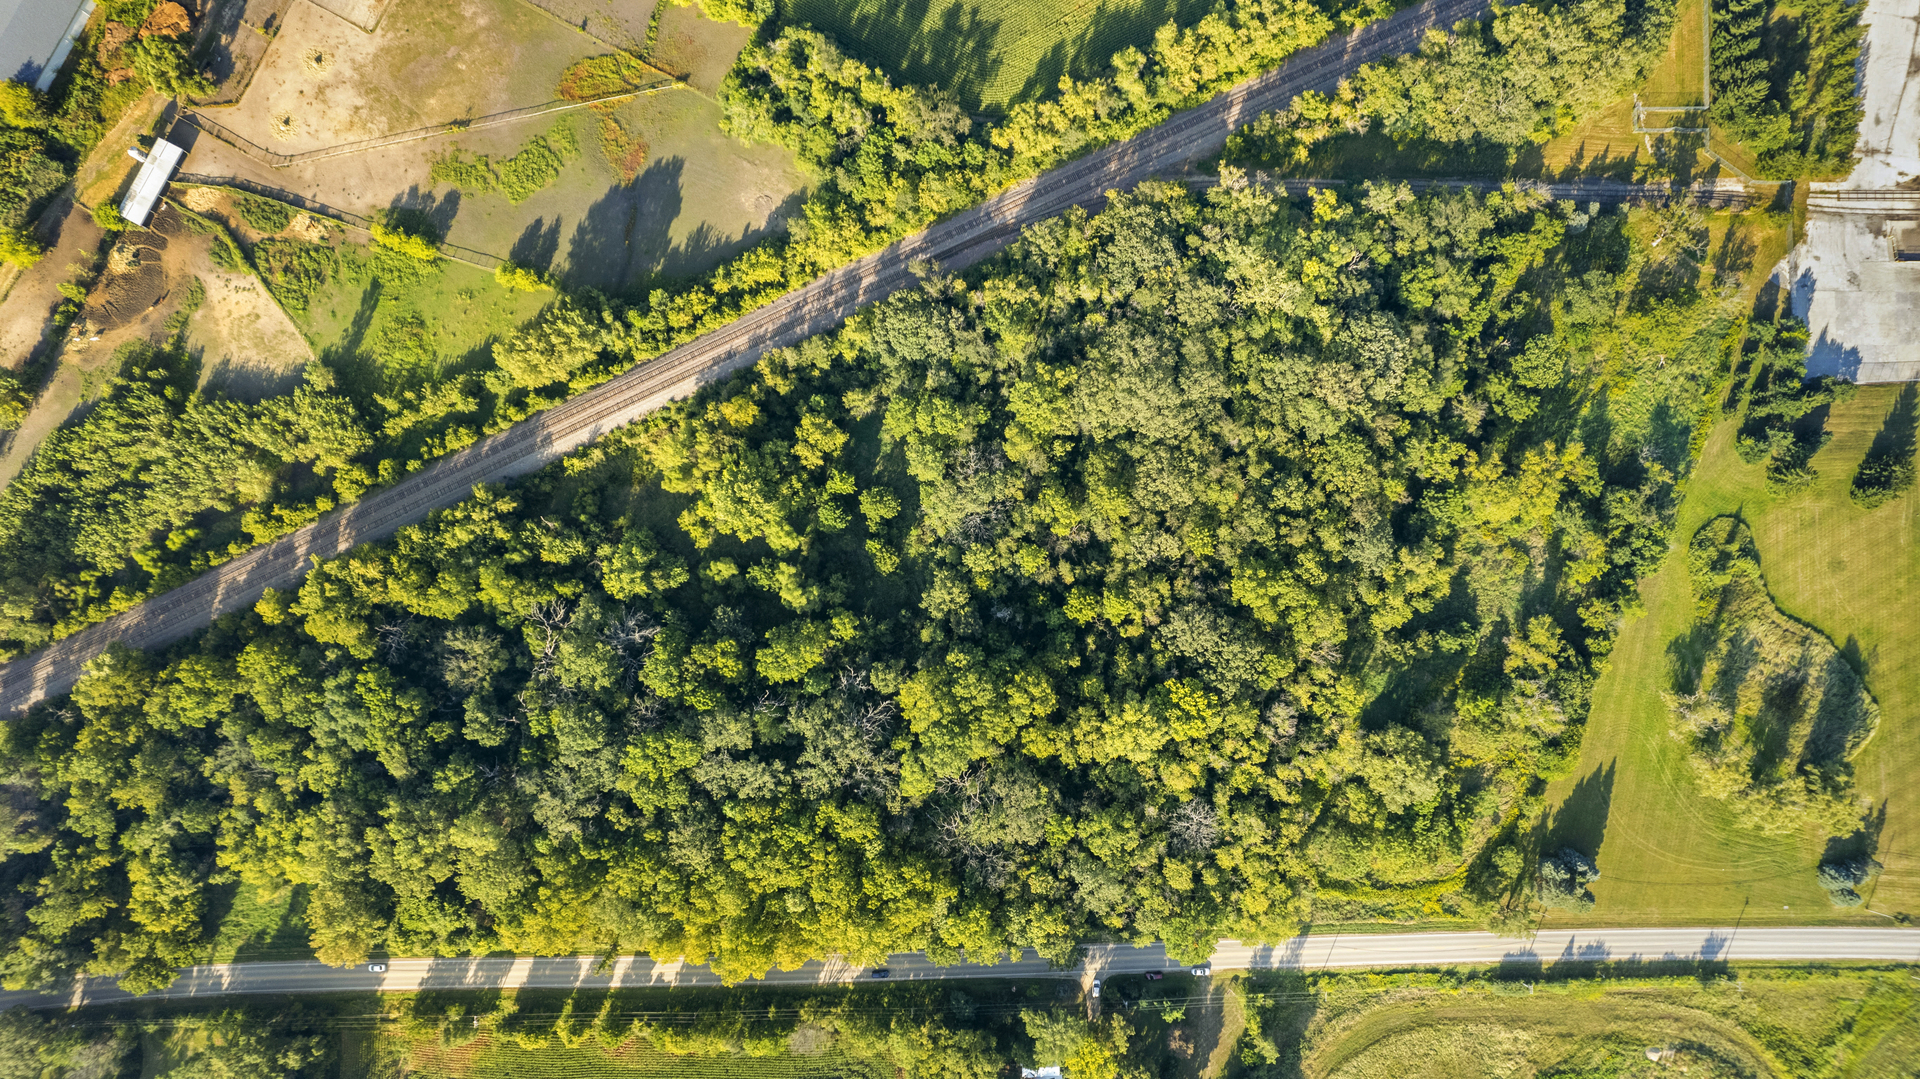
(882, 972)
(1154, 975)
(377, 968)
(1096, 988)
(1201, 972)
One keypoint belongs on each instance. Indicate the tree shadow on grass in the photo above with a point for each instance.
(1888, 468)
(1580, 822)
(539, 242)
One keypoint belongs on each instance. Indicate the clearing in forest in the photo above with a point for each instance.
(992, 54)
(1666, 850)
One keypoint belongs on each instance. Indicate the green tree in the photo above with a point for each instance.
(20, 247)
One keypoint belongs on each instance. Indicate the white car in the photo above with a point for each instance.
(1201, 972)
(377, 968)
(1096, 987)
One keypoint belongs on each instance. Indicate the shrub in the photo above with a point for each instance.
(263, 215)
(405, 243)
(21, 106)
(14, 400)
(599, 76)
(1563, 880)
(19, 247)
(1843, 878)
(522, 278)
(167, 68)
(471, 173)
(108, 216)
(293, 270)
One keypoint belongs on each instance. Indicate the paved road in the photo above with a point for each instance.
(1314, 952)
(955, 243)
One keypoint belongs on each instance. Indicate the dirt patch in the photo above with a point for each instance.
(202, 199)
(26, 314)
(113, 38)
(167, 20)
(245, 344)
(311, 229)
(134, 281)
(697, 48)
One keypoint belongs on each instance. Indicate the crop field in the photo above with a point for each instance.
(1668, 854)
(991, 52)
(1754, 1022)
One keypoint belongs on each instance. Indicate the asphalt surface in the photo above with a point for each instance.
(953, 244)
(1309, 952)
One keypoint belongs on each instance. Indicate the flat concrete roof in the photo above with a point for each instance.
(36, 35)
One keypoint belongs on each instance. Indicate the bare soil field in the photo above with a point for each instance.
(236, 43)
(697, 48)
(700, 197)
(246, 346)
(25, 315)
(620, 23)
(327, 82)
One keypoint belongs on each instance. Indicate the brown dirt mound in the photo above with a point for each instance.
(309, 228)
(113, 37)
(167, 20)
(200, 199)
(120, 298)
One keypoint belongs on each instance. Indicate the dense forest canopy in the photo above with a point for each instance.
(887, 160)
(1189, 570)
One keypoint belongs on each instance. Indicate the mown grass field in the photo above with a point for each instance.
(1668, 855)
(1755, 1022)
(991, 52)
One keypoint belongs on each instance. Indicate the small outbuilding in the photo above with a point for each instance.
(37, 35)
(156, 168)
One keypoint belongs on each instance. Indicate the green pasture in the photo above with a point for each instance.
(992, 53)
(1751, 1023)
(1668, 855)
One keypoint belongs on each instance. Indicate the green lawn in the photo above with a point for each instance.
(1668, 855)
(1757, 1021)
(459, 308)
(991, 52)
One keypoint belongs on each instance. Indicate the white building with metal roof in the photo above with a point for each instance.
(156, 168)
(37, 35)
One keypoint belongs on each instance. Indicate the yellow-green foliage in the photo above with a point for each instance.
(404, 242)
(1769, 708)
(600, 76)
(522, 278)
(520, 177)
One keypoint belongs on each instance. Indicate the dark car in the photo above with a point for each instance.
(1154, 975)
(882, 972)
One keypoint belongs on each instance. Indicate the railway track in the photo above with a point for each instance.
(955, 243)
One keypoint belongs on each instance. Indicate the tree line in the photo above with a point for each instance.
(1190, 570)
(1509, 83)
(1784, 83)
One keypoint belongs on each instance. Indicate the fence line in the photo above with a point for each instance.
(478, 259)
(278, 160)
